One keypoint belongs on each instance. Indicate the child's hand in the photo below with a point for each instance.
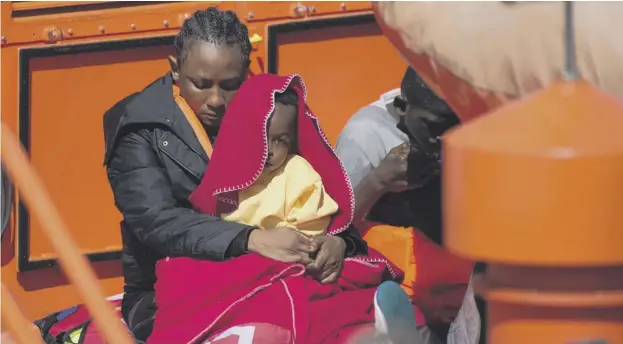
(329, 260)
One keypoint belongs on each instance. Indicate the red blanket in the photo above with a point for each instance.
(198, 300)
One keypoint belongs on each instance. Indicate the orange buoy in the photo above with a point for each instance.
(535, 188)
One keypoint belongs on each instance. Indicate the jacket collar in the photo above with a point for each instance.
(154, 106)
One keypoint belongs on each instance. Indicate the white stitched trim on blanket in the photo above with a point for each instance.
(370, 262)
(244, 298)
(285, 286)
(283, 272)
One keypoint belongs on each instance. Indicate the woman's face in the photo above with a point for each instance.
(208, 79)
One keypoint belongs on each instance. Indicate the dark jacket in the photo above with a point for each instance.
(419, 208)
(154, 162)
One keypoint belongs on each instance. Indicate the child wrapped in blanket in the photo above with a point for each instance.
(267, 171)
(288, 192)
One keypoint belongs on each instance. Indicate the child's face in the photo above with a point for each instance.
(281, 136)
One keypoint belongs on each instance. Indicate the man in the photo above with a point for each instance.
(390, 150)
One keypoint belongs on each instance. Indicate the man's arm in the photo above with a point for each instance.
(143, 194)
(367, 194)
(361, 151)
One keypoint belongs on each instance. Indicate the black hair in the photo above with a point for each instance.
(288, 97)
(213, 26)
(420, 95)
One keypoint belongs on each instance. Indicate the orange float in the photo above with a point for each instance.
(534, 188)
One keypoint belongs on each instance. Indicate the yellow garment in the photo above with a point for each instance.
(292, 196)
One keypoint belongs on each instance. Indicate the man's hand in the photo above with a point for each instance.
(282, 244)
(330, 259)
(391, 173)
(389, 176)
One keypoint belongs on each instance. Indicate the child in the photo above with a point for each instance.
(288, 192)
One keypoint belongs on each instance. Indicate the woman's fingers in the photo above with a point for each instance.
(331, 278)
(291, 256)
(332, 267)
(303, 259)
(321, 259)
(313, 247)
(293, 240)
(304, 246)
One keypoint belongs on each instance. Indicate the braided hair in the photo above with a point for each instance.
(213, 26)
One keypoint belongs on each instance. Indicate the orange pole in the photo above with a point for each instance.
(20, 328)
(74, 264)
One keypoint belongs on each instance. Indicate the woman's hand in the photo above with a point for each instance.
(330, 258)
(282, 244)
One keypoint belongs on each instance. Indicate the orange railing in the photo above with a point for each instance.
(75, 266)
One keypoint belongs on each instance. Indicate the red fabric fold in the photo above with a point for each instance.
(198, 300)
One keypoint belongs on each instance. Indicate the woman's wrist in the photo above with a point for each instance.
(240, 245)
(252, 242)
(341, 242)
(246, 243)
(351, 247)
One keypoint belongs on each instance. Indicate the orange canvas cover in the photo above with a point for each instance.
(395, 243)
(479, 55)
(428, 267)
(435, 279)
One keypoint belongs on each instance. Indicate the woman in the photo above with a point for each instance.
(154, 162)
